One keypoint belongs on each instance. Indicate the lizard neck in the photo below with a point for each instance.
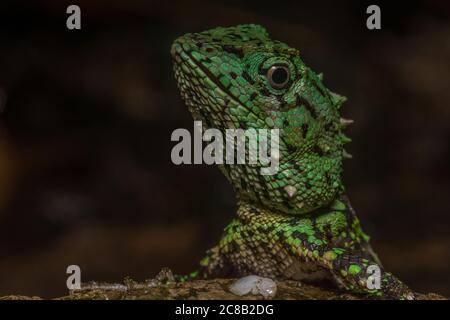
(249, 210)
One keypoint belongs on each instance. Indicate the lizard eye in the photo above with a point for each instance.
(278, 76)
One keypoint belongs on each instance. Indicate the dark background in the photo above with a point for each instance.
(85, 170)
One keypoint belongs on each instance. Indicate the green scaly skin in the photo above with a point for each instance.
(298, 223)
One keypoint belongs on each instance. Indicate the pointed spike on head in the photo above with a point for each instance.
(346, 155)
(320, 76)
(345, 122)
(337, 99)
(344, 138)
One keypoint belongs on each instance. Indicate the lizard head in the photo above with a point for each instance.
(239, 78)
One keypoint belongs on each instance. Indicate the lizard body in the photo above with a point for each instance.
(297, 223)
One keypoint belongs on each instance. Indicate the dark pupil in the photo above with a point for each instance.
(279, 76)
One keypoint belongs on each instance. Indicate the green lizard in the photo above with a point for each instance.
(298, 223)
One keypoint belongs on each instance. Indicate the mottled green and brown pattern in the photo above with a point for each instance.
(296, 224)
